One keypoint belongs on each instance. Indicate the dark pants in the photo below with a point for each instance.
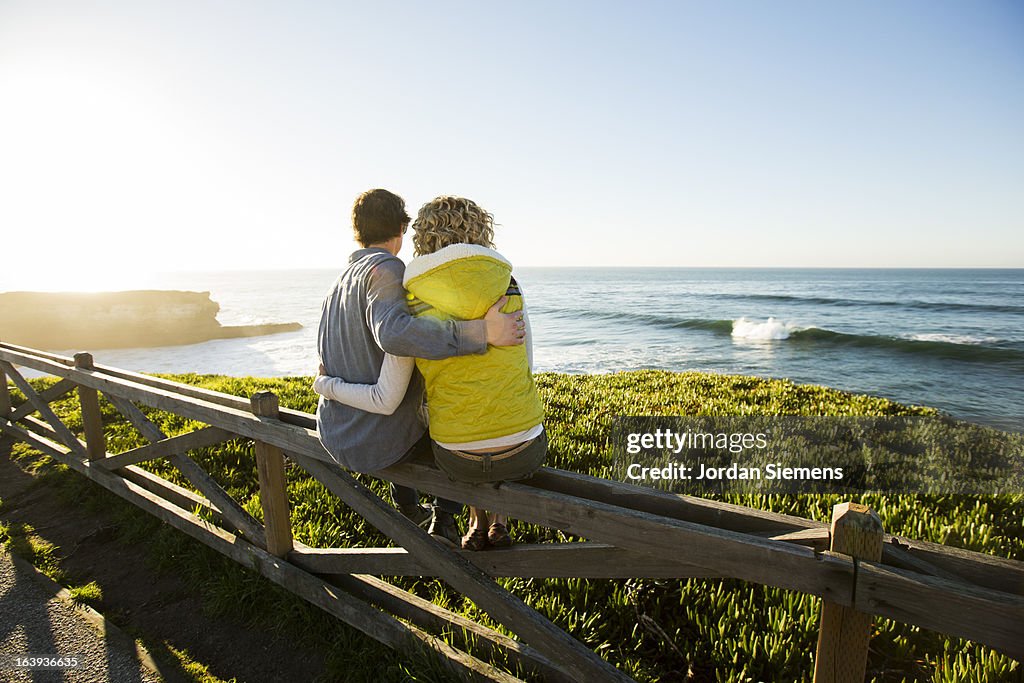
(404, 496)
(512, 464)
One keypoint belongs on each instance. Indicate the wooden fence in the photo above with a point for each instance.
(633, 532)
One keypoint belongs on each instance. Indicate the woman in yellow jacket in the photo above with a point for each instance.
(486, 418)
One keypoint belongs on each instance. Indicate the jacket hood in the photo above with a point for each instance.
(463, 280)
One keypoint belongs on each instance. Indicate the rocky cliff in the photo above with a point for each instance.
(63, 320)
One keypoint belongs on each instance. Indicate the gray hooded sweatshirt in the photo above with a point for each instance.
(364, 315)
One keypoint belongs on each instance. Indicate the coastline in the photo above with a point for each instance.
(119, 320)
(944, 338)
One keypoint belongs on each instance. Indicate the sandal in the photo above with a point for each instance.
(498, 536)
(476, 539)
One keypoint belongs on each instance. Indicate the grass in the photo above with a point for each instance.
(652, 629)
(22, 540)
(90, 594)
(193, 669)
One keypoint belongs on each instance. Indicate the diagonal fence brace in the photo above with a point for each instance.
(576, 659)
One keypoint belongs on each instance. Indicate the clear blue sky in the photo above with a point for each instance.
(237, 134)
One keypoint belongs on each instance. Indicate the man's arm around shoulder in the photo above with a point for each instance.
(401, 334)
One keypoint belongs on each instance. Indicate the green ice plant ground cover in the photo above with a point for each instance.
(655, 630)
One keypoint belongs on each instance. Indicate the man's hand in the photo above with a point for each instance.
(504, 329)
(322, 370)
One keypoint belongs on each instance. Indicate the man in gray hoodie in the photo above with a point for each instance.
(365, 315)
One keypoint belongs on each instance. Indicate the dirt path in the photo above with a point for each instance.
(36, 621)
(159, 608)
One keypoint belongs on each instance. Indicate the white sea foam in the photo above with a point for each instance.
(761, 330)
(954, 338)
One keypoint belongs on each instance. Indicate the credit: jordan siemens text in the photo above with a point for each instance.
(734, 472)
(668, 440)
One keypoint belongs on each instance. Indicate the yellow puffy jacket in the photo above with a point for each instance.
(479, 396)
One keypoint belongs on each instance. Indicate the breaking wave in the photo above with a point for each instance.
(830, 301)
(770, 329)
(987, 350)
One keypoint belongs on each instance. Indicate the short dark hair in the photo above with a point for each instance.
(377, 216)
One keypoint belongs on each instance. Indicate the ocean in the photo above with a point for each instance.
(950, 338)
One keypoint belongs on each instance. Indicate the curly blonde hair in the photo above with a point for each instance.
(445, 220)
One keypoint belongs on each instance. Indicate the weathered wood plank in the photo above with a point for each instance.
(843, 637)
(201, 438)
(41, 428)
(5, 397)
(36, 353)
(234, 513)
(171, 492)
(895, 556)
(273, 491)
(92, 419)
(466, 578)
(705, 511)
(37, 426)
(241, 422)
(49, 395)
(987, 571)
(332, 600)
(287, 415)
(817, 538)
(39, 442)
(721, 551)
(545, 560)
(465, 631)
(239, 403)
(372, 561)
(150, 432)
(989, 617)
(65, 435)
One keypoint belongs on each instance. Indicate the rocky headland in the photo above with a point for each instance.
(109, 320)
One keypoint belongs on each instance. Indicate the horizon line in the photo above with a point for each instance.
(627, 267)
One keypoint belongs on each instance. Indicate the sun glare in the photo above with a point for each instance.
(65, 275)
(103, 179)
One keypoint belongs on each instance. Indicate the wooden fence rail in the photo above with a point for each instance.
(632, 532)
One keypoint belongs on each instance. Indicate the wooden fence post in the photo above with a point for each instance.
(5, 411)
(5, 395)
(92, 419)
(273, 491)
(844, 634)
